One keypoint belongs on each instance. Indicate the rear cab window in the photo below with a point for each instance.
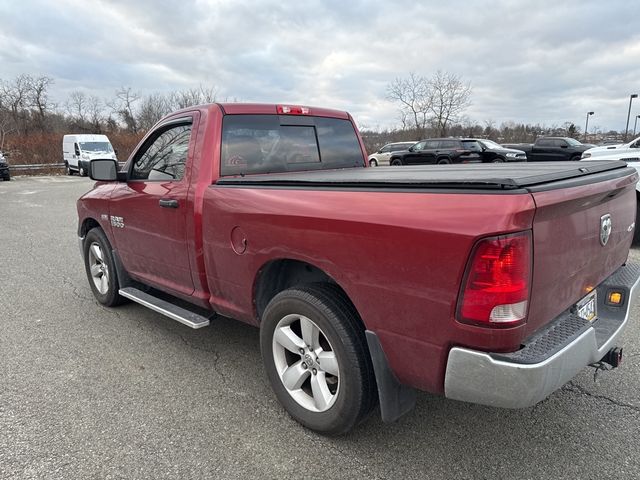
(254, 144)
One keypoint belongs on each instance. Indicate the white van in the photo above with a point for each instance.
(78, 150)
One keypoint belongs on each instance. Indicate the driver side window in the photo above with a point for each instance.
(165, 157)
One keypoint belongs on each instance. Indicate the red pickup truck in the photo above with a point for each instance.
(492, 284)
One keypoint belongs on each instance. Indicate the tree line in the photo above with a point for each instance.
(31, 122)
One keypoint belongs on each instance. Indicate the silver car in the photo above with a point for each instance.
(381, 157)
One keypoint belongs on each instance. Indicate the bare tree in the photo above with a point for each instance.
(450, 96)
(413, 95)
(15, 96)
(152, 108)
(123, 106)
(40, 97)
(6, 126)
(192, 96)
(77, 106)
(95, 111)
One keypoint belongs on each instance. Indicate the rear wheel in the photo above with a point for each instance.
(443, 161)
(67, 169)
(315, 355)
(576, 158)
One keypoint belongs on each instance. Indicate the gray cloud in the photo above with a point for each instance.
(540, 62)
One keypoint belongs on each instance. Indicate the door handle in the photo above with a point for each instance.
(168, 203)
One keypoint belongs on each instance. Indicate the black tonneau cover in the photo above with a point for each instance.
(503, 176)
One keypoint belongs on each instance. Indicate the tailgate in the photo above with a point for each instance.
(569, 256)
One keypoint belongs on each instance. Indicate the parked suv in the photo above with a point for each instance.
(440, 151)
(495, 153)
(381, 157)
(4, 168)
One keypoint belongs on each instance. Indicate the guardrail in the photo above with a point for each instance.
(38, 166)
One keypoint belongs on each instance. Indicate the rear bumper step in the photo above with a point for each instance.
(548, 360)
(168, 309)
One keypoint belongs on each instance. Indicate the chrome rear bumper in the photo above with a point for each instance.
(523, 379)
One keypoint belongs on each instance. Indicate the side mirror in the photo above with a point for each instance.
(411, 149)
(103, 170)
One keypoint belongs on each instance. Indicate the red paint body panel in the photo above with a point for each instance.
(403, 277)
(400, 256)
(569, 260)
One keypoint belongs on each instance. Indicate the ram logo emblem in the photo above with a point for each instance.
(605, 229)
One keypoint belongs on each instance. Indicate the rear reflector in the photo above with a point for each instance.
(292, 110)
(495, 290)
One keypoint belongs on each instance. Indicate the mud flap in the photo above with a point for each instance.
(395, 399)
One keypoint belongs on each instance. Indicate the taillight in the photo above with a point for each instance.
(292, 110)
(495, 289)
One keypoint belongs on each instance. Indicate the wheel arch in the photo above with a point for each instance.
(278, 275)
(86, 225)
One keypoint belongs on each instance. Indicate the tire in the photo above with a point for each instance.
(81, 171)
(373, 162)
(575, 158)
(443, 161)
(498, 160)
(101, 269)
(67, 168)
(396, 162)
(332, 384)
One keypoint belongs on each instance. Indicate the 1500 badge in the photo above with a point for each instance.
(117, 222)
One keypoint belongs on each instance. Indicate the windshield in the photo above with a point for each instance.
(490, 144)
(96, 147)
(573, 142)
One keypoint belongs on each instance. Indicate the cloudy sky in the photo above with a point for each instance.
(527, 61)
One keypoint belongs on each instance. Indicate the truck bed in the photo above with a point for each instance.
(529, 176)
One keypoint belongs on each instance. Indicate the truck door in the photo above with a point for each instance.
(149, 212)
(560, 150)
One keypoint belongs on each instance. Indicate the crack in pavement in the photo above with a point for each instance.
(574, 388)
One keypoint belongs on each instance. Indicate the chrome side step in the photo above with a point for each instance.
(175, 312)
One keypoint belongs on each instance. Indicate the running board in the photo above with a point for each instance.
(175, 312)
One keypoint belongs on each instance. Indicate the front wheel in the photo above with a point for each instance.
(373, 162)
(498, 160)
(396, 162)
(101, 269)
(443, 161)
(316, 357)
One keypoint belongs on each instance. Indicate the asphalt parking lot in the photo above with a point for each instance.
(90, 392)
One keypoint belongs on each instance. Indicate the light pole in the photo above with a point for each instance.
(626, 130)
(635, 124)
(586, 125)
